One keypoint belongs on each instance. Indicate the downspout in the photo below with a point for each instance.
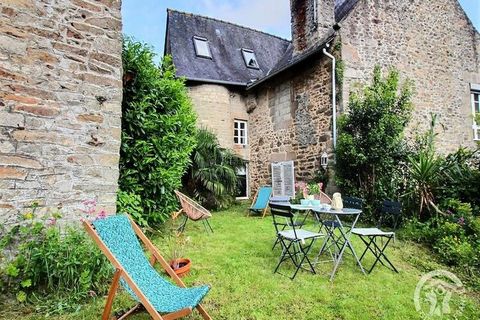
(334, 96)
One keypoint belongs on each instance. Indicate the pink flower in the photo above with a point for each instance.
(461, 221)
(52, 221)
(102, 214)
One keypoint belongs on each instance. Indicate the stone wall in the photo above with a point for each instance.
(291, 120)
(432, 43)
(60, 105)
(217, 108)
(310, 24)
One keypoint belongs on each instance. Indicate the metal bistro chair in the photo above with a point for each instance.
(296, 243)
(369, 236)
(390, 214)
(285, 201)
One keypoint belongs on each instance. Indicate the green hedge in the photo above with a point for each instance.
(158, 134)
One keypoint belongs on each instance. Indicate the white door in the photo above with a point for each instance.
(283, 179)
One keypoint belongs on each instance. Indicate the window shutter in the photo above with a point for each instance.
(283, 179)
(277, 179)
(288, 179)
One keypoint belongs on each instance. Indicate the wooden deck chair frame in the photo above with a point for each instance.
(264, 212)
(121, 272)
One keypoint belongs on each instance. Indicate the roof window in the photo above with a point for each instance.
(201, 47)
(250, 59)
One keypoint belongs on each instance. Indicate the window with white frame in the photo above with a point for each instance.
(475, 96)
(202, 48)
(242, 182)
(250, 59)
(240, 132)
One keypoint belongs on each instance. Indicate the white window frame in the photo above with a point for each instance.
(246, 184)
(279, 186)
(248, 51)
(197, 39)
(240, 131)
(476, 126)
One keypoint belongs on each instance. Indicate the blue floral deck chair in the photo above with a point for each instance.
(117, 238)
(260, 201)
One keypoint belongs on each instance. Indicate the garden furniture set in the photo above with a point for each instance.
(335, 228)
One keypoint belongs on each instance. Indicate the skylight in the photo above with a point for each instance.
(250, 59)
(201, 47)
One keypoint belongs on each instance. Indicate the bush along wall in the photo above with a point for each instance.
(56, 268)
(158, 135)
(371, 146)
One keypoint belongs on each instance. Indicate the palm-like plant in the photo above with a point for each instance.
(212, 177)
(425, 172)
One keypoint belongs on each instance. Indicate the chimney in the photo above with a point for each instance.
(311, 21)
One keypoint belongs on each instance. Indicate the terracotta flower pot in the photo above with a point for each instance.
(181, 266)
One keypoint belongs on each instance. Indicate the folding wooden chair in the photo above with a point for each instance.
(117, 238)
(260, 201)
(296, 243)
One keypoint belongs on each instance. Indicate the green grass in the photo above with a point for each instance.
(237, 261)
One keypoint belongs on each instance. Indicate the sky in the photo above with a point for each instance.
(145, 19)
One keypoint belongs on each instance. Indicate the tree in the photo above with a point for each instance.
(371, 144)
(158, 132)
(212, 177)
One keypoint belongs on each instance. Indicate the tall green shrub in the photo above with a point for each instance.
(212, 177)
(158, 132)
(370, 142)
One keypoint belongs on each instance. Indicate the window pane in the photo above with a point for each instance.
(235, 139)
(477, 106)
(250, 59)
(201, 47)
(236, 124)
(242, 125)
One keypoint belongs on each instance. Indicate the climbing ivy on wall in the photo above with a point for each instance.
(339, 68)
(158, 134)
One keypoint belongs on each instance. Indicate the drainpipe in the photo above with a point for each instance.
(334, 98)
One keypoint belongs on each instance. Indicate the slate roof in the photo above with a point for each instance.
(226, 40)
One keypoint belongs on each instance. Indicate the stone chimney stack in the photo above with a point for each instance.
(311, 21)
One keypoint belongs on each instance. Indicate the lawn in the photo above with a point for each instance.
(238, 262)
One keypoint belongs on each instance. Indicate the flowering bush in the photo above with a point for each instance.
(42, 261)
(455, 236)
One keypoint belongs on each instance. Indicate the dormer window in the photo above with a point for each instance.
(250, 59)
(201, 47)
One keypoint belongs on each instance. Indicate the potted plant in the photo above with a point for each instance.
(178, 262)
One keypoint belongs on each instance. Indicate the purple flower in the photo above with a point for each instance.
(102, 214)
(461, 221)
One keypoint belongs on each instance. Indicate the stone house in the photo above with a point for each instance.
(275, 101)
(60, 105)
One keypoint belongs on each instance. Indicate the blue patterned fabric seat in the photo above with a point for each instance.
(118, 235)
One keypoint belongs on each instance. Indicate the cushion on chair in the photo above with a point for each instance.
(118, 235)
(371, 232)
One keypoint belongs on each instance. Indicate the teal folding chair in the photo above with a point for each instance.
(117, 236)
(260, 202)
